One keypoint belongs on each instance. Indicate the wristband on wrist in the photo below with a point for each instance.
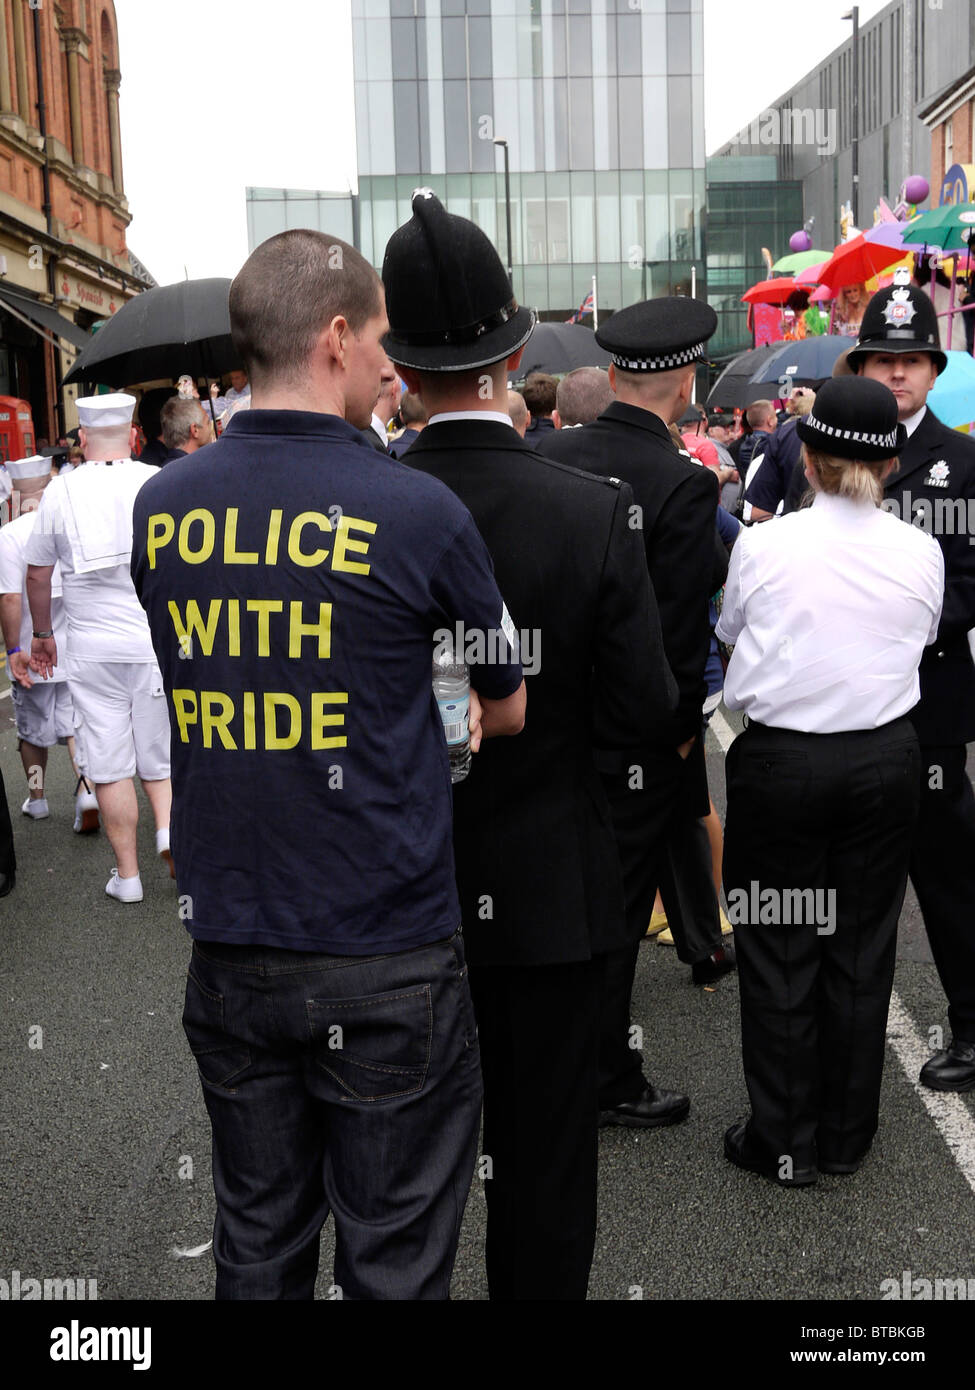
(12, 651)
(43, 634)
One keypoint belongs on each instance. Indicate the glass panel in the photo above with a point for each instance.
(455, 126)
(535, 230)
(680, 116)
(483, 127)
(406, 125)
(580, 46)
(580, 123)
(678, 44)
(608, 226)
(628, 45)
(631, 122)
(558, 230)
(404, 47)
(454, 48)
(535, 292)
(583, 235)
(479, 46)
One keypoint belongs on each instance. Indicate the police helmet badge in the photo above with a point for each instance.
(899, 310)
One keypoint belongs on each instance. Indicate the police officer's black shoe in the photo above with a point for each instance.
(652, 1109)
(712, 967)
(7, 882)
(951, 1069)
(740, 1150)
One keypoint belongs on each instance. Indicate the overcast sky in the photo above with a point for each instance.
(226, 94)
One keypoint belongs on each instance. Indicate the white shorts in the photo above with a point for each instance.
(121, 720)
(44, 714)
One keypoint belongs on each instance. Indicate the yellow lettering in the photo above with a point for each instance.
(273, 536)
(216, 710)
(344, 543)
(194, 626)
(231, 555)
(161, 530)
(320, 720)
(322, 630)
(250, 724)
(272, 739)
(264, 607)
(233, 627)
(197, 557)
(294, 538)
(184, 703)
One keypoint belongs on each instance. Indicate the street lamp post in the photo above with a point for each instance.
(507, 203)
(854, 14)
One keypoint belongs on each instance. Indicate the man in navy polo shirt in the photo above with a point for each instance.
(294, 579)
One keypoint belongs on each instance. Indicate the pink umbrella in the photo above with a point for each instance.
(810, 276)
(821, 293)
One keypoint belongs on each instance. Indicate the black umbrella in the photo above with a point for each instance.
(561, 347)
(734, 387)
(166, 331)
(807, 362)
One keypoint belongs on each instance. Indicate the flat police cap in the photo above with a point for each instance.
(448, 297)
(900, 318)
(854, 417)
(658, 334)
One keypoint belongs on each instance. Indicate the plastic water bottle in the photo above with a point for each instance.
(452, 688)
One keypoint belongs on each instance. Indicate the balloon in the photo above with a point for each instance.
(916, 189)
(800, 241)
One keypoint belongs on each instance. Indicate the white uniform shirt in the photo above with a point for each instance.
(830, 609)
(106, 622)
(13, 579)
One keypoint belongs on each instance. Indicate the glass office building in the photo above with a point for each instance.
(602, 107)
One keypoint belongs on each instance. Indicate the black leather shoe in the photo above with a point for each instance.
(7, 882)
(738, 1150)
(718, 963)
(651, 1110)
(952, 1069)
(828, 1165)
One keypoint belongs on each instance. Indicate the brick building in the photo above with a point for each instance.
(950, 117)
(64, 263)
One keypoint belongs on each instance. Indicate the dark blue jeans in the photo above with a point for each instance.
(348, 1084)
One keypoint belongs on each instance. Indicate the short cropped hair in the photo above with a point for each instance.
(517, 409)
(539, 393)
(288, 290)
(583, 395)
(178, 418)
(758, 412)
(412, 410)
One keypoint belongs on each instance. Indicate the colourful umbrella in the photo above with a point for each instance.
(810, 276)
(857, 261)
(897, 234)
(949, 226)
(799, 260)
(952, 398)
(770, 291)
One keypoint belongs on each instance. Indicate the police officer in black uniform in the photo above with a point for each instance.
(537, 869)
(655, 346)
(934, 487)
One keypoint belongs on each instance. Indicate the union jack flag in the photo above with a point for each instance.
(585, 307)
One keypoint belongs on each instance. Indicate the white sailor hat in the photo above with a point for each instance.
(37, 466)
(105, 412)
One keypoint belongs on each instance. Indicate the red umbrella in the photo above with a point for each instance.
(856, 261)
(770, 291)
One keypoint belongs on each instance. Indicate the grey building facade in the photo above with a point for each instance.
(601, 104)
(908, 53)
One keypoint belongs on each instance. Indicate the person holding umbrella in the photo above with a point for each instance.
(848, 310)
(823, 787)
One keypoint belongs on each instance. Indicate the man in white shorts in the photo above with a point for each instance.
(84, 524)
(44, 713)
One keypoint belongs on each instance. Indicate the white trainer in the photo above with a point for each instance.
(127, 890)
(163, 850)
(37, 809)
(85, 810)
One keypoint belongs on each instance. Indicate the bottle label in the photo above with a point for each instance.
(455, 714)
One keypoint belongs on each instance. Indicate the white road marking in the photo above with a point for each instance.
(950, 1114)
(191, 1252)
(4, 694)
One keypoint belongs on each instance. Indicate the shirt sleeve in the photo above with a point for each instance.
(767, 488)
(464, 591)
(732, 618)
(42, 548)
(938, 594)
(11, 563)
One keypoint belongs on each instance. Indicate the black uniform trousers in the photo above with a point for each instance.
(8, 859)
(538, 1029)
(943, 874)
(644, 816)
(835, 814)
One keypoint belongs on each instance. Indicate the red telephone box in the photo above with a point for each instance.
(16, 429)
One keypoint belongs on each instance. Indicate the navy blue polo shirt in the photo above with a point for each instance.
(296, 582)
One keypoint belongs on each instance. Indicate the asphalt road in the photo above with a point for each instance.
(105, 1140)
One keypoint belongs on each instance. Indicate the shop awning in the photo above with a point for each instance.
(44, 319)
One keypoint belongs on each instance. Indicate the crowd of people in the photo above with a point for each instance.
(382, 952)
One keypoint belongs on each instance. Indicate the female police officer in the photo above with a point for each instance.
(829, 609)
